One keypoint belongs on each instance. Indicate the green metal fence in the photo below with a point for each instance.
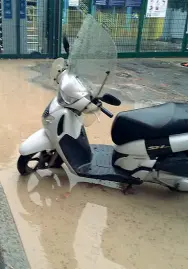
(25, 29)
(135, 34)
(34, 28)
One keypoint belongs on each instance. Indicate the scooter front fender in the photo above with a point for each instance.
(36, 143)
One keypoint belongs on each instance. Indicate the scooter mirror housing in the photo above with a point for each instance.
(66, 44)
(110, 99)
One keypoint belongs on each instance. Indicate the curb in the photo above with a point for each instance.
(12, 254)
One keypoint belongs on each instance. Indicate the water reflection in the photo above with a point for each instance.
(88, 239)
(71, 224)
(57, 219)
(93, 227)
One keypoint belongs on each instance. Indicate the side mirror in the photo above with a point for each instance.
(110, 99)
(66, 44)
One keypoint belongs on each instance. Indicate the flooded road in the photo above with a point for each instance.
(82, 226)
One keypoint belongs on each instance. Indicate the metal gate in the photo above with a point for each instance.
(25, 28)
(135, 33)
(33, 28)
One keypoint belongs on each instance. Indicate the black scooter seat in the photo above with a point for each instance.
(101, 167)
(150, 123)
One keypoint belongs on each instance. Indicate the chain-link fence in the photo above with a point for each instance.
(166, 34)
(34, 28)
(23, 27)
(131, 28)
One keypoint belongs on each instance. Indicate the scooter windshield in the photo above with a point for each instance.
(93, 55)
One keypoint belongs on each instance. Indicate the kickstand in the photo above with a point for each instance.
(128, 190)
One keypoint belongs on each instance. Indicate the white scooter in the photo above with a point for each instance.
(151, 144)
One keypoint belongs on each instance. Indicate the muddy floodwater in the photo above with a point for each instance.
(81, 225)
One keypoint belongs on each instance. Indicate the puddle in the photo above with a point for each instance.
(21, 106)
(84, 227)
(68, 224)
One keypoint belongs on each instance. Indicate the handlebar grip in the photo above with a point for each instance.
(106, 112)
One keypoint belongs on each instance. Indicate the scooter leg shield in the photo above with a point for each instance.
(36, 143)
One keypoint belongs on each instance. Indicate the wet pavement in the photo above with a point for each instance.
(158, 80)
(144, 81)
(74, 225)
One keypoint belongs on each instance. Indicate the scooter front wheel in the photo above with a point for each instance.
(30, 163)
(22, 165)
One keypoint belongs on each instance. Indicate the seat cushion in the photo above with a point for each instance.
(150, 123)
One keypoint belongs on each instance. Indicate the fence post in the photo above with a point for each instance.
(57, 25)
(18, 28)
(60, 27)
(50, 27)
(141, 24)
(90, 7)
(185, 36)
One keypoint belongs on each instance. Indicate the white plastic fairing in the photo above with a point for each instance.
(36, 143)
(72, 88)
(179, 142)
(81, 104)
(174, 181)
(54, 106)
(132, 162)
(137, 148)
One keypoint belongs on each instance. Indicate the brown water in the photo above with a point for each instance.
(87, 226)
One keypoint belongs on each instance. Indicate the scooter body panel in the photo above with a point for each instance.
(36, 143)
(159, 161)
(133, 157)
(65, 130)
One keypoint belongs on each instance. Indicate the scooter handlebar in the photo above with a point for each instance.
(106, 112)
(98, 103)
